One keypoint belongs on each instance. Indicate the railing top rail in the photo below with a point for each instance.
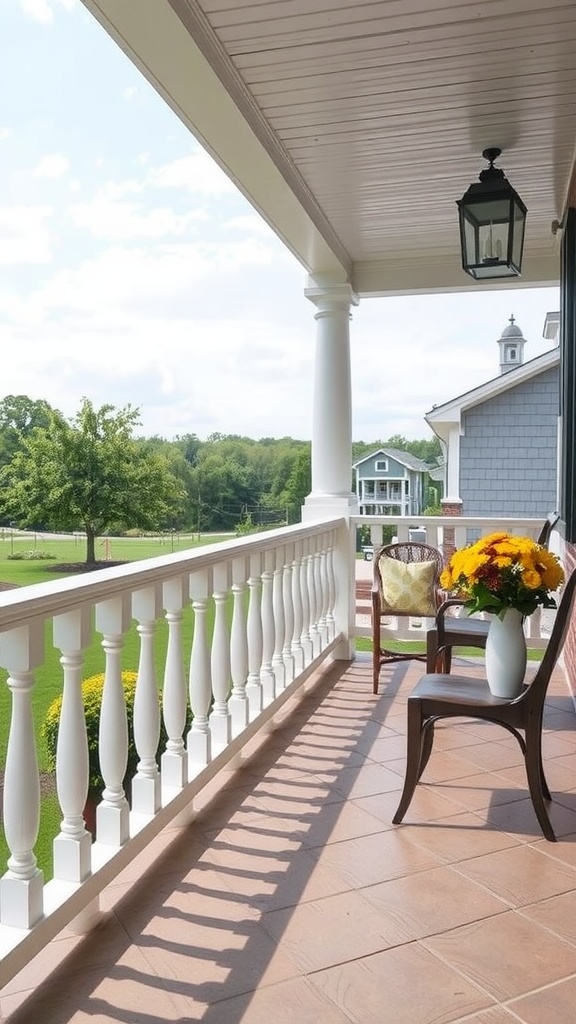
(489, 522)
(55, 597)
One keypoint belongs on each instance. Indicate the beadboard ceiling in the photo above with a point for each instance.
(353, 127)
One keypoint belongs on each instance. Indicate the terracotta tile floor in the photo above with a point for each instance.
(292, 898)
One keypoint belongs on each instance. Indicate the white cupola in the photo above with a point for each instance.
(511, 344)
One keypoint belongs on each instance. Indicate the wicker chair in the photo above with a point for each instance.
(405, 583)
(449, 632)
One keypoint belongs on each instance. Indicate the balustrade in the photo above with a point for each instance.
(254, 605)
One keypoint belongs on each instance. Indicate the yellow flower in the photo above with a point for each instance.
(502, 571)
(531, 579)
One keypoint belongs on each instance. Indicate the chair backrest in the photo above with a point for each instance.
(536, 692)
(425, 586)
(549, 524)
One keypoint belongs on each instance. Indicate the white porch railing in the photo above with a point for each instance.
(282, 603)
(445, 533)
(277, 615)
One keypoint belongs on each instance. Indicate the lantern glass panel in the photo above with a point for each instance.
(471, 241)
(518, 239)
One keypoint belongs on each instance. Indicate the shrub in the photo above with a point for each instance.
(34, 555)
(92, 689)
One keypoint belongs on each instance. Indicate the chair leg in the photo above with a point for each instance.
(375, 667)
(444, 661)
(431, 650)
(427, 744)
(537, 783)
(415, 742)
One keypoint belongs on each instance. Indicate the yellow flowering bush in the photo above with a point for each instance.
(92, 689)
(502, 571)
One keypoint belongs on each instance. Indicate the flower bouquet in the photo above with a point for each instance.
(502, 571)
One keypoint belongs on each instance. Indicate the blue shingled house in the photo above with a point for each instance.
(500, 440)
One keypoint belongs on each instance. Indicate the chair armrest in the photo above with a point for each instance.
(450, 602)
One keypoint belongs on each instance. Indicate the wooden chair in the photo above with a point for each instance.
(449, 631)
(405, 583)
(439, 696)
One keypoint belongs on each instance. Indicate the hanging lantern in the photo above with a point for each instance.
(492, 221)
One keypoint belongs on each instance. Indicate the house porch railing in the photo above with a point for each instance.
(264, 612)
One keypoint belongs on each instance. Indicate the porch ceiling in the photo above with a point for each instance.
(353, 126)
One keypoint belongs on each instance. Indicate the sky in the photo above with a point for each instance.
(133, 272)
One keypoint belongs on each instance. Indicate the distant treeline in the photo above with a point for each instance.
(227, 479)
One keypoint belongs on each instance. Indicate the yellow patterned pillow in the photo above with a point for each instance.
(408, 587)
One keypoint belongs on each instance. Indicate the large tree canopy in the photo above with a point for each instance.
(90, 474)
(19, 416)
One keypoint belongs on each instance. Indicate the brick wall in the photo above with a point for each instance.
(449, 508)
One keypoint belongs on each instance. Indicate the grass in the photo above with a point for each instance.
(419, 647)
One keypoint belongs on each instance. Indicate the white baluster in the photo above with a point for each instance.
(268, 631)
(297, 649)
(322, 590)
(199, 738)
(146, 609)
(279, 626)
(72, 634)
(220, 719)
(112, 814)
(254, 690)
(314, 633)
(287, 655)
(239, 648)
(331, 588)
(174, 771)
(21, 888)
(306, 611)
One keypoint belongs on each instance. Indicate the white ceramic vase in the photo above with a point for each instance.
(506, 654)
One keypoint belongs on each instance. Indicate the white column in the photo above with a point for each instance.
(452, 494)
(332, 413)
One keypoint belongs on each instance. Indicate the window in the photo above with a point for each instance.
(381, 465)
(511, 355)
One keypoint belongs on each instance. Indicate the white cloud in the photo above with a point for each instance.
(43, 10)
(130, 93)
(38, 10)
(24, 235)
(105, 218)
(52, 166)
(5, 133)
(197, 172)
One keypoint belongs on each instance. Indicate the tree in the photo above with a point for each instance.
(89, 473)
(19, 416)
